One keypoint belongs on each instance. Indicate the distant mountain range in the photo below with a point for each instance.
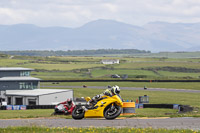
(102, 34)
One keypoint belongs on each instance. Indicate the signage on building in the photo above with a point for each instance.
(16, 107)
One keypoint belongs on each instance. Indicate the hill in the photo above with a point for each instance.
(102, 34)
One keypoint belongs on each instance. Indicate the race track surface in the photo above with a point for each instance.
(131, 88)
(168, 123)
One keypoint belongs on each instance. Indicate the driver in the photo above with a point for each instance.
(115, 90)
(70, 106)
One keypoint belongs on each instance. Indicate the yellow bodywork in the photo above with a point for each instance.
(101, 105)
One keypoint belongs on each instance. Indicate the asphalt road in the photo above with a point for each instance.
(130, 88)
(168, 123)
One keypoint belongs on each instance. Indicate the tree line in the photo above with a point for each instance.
(74, 52)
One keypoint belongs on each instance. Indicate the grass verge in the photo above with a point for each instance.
(31, 113)
(92, 130)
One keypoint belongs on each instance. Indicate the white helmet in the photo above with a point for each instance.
(115, 90)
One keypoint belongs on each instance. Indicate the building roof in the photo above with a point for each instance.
(19, 79)
(110, 59)
(15, 69)
(35, 92)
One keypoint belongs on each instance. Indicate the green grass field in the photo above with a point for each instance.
(32, 113)
(91, 67)
(100, 73)
(146, 64)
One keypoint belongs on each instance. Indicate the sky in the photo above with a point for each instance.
(75, 13)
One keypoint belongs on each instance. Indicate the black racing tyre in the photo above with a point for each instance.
(54, 113)
(117, 112)
(78, 113)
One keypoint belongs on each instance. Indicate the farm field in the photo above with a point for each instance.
(62, 68)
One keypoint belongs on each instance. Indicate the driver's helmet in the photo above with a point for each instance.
(69, 101)
(115, 90)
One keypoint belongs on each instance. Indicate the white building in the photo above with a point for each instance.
(110, 61)
(38, 96)
(18, 88)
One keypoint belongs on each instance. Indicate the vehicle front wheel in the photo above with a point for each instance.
(112, 112)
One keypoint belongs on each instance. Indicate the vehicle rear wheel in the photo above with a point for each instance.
(112, 112)
(78, 113)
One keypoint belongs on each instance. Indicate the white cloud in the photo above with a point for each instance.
(73, 13)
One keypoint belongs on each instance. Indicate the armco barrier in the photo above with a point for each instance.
(169, 106)
(23, 107)
(3, 107)
(181, 108)
(40, 107)
(13, 107)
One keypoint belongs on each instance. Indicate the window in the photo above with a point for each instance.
(35, 86)
(24, 73)
(26, 85)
